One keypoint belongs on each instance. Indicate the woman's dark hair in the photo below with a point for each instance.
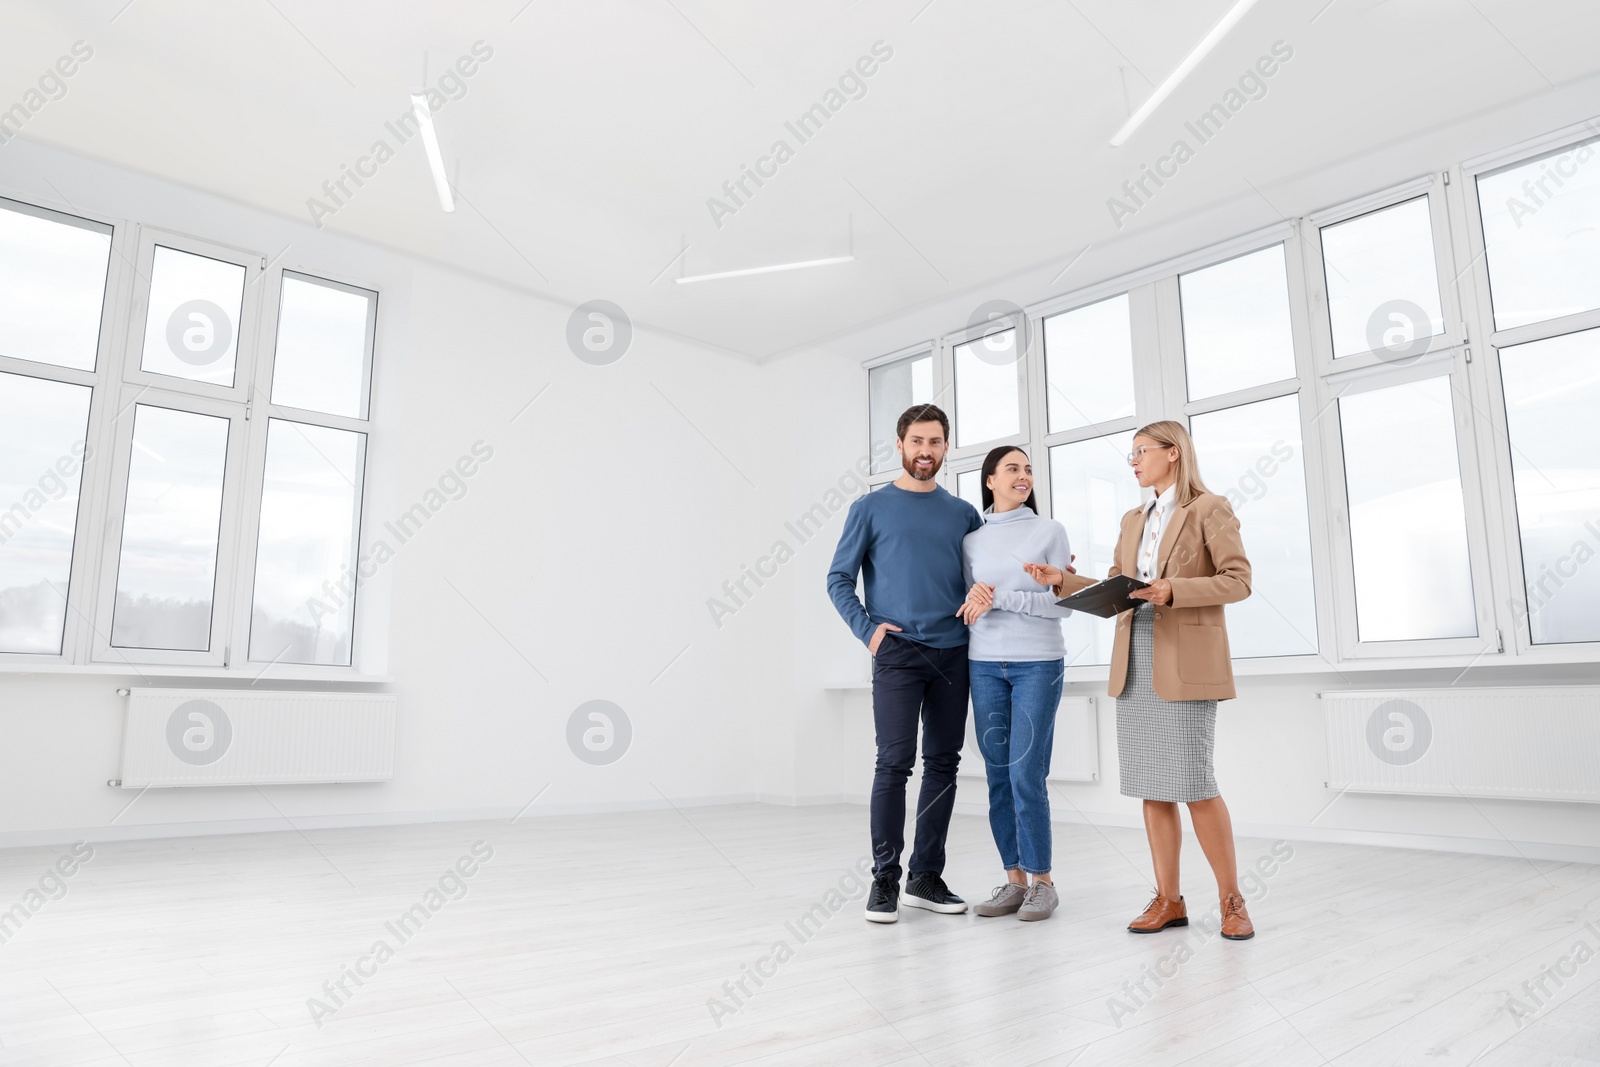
(991, 463)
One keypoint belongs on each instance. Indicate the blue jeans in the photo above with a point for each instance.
(1014, 715)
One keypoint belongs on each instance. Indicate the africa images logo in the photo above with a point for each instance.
(199, 732)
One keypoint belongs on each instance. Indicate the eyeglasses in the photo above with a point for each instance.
(1138, 453)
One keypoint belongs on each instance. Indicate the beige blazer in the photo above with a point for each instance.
(1202, 556)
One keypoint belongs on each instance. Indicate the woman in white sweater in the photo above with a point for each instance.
(1015, 658)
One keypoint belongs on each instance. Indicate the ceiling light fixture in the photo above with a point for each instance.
(849, 257)
(766, 270)
(430, 141)
(1191, 61)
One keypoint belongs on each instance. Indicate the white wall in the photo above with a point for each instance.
(591, 541)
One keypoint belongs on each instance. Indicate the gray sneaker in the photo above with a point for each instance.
(1039, 903)
(1007, 899)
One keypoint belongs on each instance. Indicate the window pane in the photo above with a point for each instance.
(167, 568)
(1541, 226)
(969, 487)
(310, 516)
(191, 329)
(1552, 391)
(1091, 488)
(323, 342)
(1253, 456)
(891, 389)
(1088, 364)
(43, 441)
(1383, 287)
(1408, 524)
(52, 287)
(1236, 329)
(988, 388)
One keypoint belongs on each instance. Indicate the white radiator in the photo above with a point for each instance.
(179, 737)
(1525, 743)
(1076, 756)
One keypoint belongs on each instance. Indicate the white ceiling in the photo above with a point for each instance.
(584, 151)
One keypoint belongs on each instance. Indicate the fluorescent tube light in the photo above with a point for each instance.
(430, 141)
(766, 270)
(1191, 61)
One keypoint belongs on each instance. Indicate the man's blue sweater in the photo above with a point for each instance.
(907, 546)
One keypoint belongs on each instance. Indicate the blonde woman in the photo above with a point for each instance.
(1170, 665)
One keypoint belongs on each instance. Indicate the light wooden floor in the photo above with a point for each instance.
(602, 939)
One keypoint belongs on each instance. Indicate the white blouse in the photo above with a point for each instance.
(1156, 516)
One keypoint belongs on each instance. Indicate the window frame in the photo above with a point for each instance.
(83, 574)
(1509, 561)
(1446, 353)
(218, 655)
(1317, 517)
(947, 349)
(118, 383)
(259, 416)
(246, 347)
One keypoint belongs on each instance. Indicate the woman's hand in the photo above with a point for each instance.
(971, 611)
(1045, 574)
(980, 598)
(1157, 592)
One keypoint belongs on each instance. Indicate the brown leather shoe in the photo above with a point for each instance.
(1236, 925)
(1160, 914)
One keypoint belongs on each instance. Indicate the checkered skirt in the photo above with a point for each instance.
(1163, 746)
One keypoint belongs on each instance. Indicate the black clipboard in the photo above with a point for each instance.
(1106, 598)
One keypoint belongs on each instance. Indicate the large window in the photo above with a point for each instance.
(1238, 338)
(1393, 393)
(988, 389)
(1088, 359)
(227, 501)
(192, 316)
(1539, 213)
(1541, 236)
(52, 285)
(171, 526)
(1236, 330)
(1382, 280)
(310, 518)
(1253, 455)
(1408, 527)
(1552, 391)
(44, 429)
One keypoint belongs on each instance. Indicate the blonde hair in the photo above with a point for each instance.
(1170, 434)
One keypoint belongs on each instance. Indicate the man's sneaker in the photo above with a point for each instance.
(1007, 899)
(1040, 902)
(925, 889)
(883, 902)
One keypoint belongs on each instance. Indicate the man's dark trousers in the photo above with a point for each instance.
(911, 681)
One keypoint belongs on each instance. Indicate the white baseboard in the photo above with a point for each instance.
(1539, 850)
(1476, 846)
(352, 820)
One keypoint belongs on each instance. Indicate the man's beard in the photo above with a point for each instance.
(910, 465)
